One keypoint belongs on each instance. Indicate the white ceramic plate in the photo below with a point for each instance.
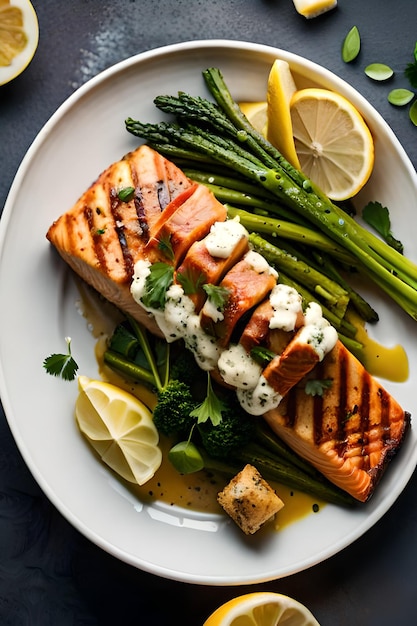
(38, 310)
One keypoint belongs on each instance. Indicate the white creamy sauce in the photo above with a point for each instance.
(224, 237)
(237, 368)
(213, 312)
(287, 305)
(260, 399)
(178, 320)
(259, 264)
(317, 332)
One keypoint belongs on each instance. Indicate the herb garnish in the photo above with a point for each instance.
(62, 365)
(351, 45)
(315, 387)
(157, 283)
(165, 245)
(411, 70)
(217, 295)
(211, 408)
(377, 216)
(126, 194)
(189, 283)
(262, 355)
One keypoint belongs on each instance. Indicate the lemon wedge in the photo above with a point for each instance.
(19, 36)
(281, 88)
(334, 145)
(120, 428)
(313, 8)
(262, 608)
(256, 112)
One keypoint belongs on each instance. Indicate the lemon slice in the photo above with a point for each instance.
(281, 88)
(120, 429)
(262, 608)
(256, 112)
(333, 142)
(19, 36)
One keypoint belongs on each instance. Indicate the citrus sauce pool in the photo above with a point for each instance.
(198, 492)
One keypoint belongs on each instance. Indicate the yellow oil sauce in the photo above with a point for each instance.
(390, 363)
(197, 492)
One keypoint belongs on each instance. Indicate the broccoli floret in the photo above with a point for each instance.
(171, 414)
(183, 367)
(234, 431)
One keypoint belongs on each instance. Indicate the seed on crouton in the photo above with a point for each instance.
(249, 500)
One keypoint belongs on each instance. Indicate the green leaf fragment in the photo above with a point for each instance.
(157, 283)
(211, 408)
(377, 216)
(400, 97)
(217, 295)
(413, 113)
(186, 458)
(126, 194)
(411, 70)
(351, 45)
(379, 71)
(62, 365)
(316, 387)
(165, 245)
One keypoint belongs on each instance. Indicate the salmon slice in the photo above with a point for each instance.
(288, 368)
(247, 285)
(200, 267)
(101, 237)
(188, 219)
(351, 431)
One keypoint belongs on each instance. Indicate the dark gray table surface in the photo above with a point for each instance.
(49, 573)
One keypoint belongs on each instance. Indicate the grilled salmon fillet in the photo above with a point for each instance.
(101, 237)
(144, 202)
(351, 431)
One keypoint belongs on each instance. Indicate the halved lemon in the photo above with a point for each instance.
(120, 428)
(334, 145)
(281, 88)
(262, 608)
(256, 112)
(19, 36)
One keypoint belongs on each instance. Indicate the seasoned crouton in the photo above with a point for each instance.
(249, 500)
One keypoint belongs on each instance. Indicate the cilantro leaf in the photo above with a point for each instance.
(217, 295)
(157, 283)
(63, 365)
(377, 216)
(211, 408)
(165, 246)
(262, 355)
(189, 283)
(314, 387)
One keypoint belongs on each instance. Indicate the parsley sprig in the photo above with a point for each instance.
(62, 365)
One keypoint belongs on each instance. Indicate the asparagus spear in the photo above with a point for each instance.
(246, 152)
